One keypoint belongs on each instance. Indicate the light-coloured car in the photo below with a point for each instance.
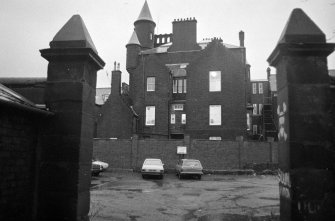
(103, 164)
(190, 167)
(96, 169)
(152, 166)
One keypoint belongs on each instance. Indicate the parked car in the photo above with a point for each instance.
(103, 164)
(189, 167)
(153, 167)
(96, 169)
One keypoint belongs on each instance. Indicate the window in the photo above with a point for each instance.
(254, 88)
(150, 116)
(260, 88)
(254, 111)
(183, 119)
(215, 138)
(214, 114)
(150, 36)
(173, 118)
(151, 83)
(248, 121)
(260, 107)
(254, 129)
(178, 107)
(215, 81)
(179, 85)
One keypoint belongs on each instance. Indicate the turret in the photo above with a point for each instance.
(145, 28)
(133, 50)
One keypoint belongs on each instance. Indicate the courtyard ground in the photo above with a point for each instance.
(127, 196)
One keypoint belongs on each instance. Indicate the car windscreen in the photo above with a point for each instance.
(153, 162)
(190, 163)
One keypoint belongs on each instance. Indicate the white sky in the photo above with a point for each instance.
(26, 26)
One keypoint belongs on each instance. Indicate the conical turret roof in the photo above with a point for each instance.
(73, 34)
(300, 28)
(145, 13)
(134, 39)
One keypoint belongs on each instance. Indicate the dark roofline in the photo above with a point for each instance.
(22, 80)
(11, 98)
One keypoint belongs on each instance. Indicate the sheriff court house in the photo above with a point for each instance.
(178, 86)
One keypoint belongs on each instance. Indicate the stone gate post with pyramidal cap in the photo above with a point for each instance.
(67, 140)
(306, 141)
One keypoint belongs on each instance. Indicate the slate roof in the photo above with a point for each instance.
(145, 13)
(73, 34)
(301, 28)
(134, 39)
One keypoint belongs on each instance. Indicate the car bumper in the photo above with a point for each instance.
(191, 173)
(153, 173)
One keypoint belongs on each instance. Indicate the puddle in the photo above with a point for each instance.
(236, 217)
(129, 190)
(191, 194)
(134, 218)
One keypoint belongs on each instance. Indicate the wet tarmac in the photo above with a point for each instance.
(126, 196)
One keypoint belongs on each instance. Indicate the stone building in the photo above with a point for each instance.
(179, 86)
(262, 116)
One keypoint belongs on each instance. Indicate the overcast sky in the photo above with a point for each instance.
(29, 25)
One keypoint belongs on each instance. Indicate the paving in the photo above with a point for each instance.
(127, 196)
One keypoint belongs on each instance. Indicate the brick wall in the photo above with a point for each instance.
(216, 155)
(18, 143)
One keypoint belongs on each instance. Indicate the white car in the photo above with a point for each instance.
(102, 164)
(152, 167)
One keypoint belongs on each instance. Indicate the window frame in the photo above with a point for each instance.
(148, 121)
(151, 84)
(254, 129)
(260, 88)
(173, 119)
(178, 107)
(255, 108)
(183, 119)
(214, 85)
(216, 122)
(254, 88)
(179, 85)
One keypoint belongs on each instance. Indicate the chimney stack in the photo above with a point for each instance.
(241, 37)
(184, 36)
(116, 79)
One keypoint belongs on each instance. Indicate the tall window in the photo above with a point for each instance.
(254, 111)
(248, 121)
(254, 88)
(173, 118)
(215, 81)
(151, 83)
(150, 116)
(260, 107)
(183, 118)
(254, 129)
(179, 85)
(214, 114)
(260, 88)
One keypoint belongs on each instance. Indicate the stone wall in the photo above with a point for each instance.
(214, 155)
(18, 144)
